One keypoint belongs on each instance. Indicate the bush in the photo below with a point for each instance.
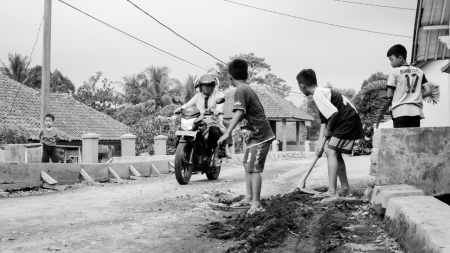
(147, 128)
(10, 134)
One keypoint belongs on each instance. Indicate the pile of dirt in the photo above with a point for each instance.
(283, 215)
(27, 191)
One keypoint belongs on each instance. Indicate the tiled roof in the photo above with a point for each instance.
(275, 106)
(72, 117)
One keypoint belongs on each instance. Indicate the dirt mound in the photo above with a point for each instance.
(284, 214)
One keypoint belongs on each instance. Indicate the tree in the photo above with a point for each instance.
(101, 99)
(189, 87)
(256, 67)
(311, 107)
(34, 79)
(131, 89)
(60, 83)
(369, 104)
(275, 83)
(17, 67)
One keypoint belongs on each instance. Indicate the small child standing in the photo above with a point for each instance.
(340, 127)
(48, 137)
(405, 89)
(247, 105)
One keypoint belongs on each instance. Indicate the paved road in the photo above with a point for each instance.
(150, 215)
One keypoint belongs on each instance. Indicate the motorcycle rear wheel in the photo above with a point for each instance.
(183, 170)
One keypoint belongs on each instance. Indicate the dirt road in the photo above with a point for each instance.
(150, 215)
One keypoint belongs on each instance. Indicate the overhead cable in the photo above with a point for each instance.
(319, 22)
(377, 5)
(116, 29)
(175, 32)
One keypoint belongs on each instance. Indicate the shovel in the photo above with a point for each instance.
(302, 185)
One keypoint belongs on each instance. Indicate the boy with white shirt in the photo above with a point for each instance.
(340, 127)
(405, 89)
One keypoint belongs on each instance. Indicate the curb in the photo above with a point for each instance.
(420, 223)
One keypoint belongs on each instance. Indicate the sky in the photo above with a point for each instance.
(82, 46)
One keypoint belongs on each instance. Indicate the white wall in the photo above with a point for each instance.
(439, 114)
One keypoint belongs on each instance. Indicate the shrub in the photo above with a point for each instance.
(10, 134)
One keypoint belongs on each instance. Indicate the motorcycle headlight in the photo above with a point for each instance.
(187, 124)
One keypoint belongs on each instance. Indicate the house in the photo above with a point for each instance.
(21, 106)
(287, 121)
(430, 52)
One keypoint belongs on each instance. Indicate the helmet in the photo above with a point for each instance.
(206, 79)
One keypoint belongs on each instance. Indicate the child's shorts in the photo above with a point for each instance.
(255, 157)
(341, 146)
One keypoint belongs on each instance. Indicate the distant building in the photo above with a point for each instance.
(21, 106)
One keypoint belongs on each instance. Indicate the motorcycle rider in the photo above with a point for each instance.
(209, 93)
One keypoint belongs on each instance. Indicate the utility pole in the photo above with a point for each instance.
(45, 87)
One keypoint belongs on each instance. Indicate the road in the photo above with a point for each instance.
(154, 214)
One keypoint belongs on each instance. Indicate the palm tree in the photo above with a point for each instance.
(189, 87)
(17, 69)
(155, 83)
(131, 89)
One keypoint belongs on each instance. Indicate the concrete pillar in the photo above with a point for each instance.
(284, 135)
(90, 147)
(128, 144)
(273, 125)
(160, 146)
(275, 146)
(297, 133)
(307, 146)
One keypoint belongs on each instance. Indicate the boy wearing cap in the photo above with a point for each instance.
(248, 106)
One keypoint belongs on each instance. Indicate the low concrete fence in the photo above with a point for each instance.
(416, 156)
(18, 175)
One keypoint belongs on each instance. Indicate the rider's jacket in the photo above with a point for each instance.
(199, 101)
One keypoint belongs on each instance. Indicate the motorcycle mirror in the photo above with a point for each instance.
(220, 101)
(176, 100)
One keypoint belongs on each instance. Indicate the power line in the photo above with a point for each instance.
(127, 34)
(319, 22)
(377, 5)
(28, 64)
(175, 32)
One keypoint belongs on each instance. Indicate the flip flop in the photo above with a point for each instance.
(323, 195)
(343, 193)
(240, 205)
(253, 211)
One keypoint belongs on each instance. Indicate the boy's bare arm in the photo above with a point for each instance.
(427, 91)
(237, 117)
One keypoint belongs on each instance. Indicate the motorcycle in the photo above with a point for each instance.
(192, 154)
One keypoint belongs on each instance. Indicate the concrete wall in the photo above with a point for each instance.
(416, 156)
(295, 148)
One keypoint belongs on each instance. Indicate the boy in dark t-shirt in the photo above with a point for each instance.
(340, 127)
(247, 106)
(48, 136)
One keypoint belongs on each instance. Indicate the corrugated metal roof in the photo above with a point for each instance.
(275, 107)
(73, 118)
(432, 20)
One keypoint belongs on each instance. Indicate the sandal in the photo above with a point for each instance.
(240, 205)
(253, 211)
(344, 193)
(323, 195)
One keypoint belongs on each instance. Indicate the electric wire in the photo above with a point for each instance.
(175, 32)
(28, 64)
(377, 5)
(319, 22)
(118, 30)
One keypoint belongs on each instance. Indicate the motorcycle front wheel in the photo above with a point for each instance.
(183, 170)
(213, 175)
